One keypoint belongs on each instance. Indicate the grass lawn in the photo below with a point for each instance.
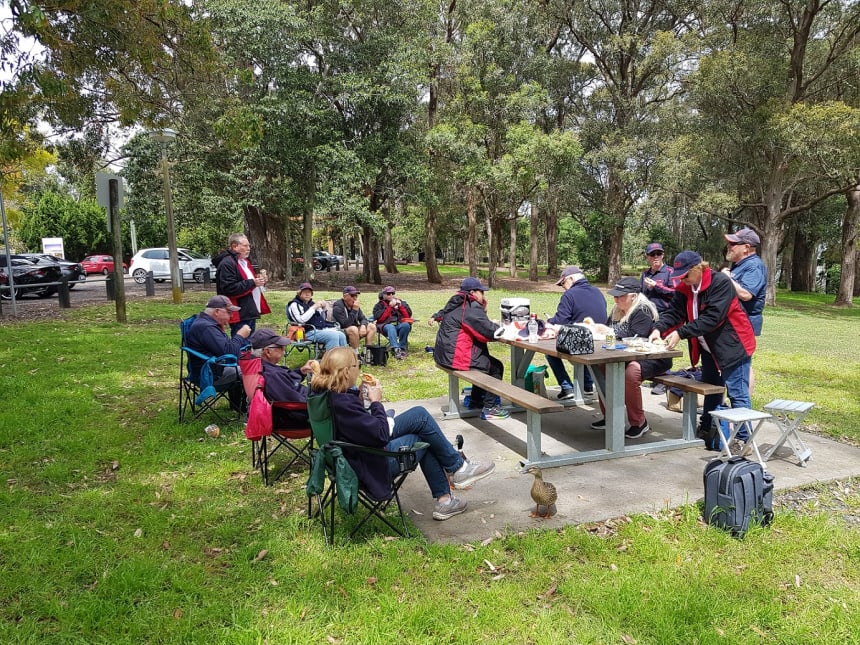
(120, 525)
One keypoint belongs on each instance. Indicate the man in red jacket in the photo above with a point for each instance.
(706, 312)
(461, 342)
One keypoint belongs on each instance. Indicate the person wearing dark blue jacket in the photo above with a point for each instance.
(206, 336)
(441, 464)
(656, 280)
(302, 310)
(579, 301)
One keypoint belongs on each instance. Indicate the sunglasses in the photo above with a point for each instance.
(737, 243)
(656, 254)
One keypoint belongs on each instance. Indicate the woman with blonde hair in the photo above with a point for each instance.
(633, 315)
(338, 373)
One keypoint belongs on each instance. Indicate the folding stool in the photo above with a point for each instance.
(737, 418)
(787, 415)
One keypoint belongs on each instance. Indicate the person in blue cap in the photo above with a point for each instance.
(461, 342)
(656, 280)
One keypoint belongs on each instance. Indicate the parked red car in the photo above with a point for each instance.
(100, 264)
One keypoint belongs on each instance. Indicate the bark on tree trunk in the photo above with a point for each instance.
(551, 231)
(533, 242)
(269, 240)
(803, 263)
(390, 260)
(471, 238)
(850, 227)
(512, 248)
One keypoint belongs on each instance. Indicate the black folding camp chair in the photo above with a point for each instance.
(200, 392)
(343, 486)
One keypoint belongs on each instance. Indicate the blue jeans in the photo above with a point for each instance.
(560, 372)
(234, 327)
(331, 337)
(737, 382)
(398, 334)
(440, 458)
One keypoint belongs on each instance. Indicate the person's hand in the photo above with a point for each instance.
(259, 280)
(654, 335)
(374, 393)
(308, 367)
(244, 331)
(673, 339)
(431, 321)
(649, 282)
(727, 271)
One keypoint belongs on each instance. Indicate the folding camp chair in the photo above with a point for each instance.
(198, 393)
(314, 348)
(343, 486)
(273, 437)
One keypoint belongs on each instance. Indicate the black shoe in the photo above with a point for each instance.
(588, 391)
(634, 432)
(600, 424)
(566, 394)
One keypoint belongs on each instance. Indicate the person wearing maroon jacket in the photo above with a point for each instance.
(706, 312)
(461, 342)
(393, 317)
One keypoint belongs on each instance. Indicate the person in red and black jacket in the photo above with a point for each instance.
(461, 342)
(706, 312)
(393, 317)
(235, 279)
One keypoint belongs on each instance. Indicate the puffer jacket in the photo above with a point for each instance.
(464, 331)
(229, 282)
(721, 320)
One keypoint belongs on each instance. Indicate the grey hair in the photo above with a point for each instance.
(576, 277)
(211, 310)
(234, 238)
(641, 301)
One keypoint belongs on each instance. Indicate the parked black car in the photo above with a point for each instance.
(73, 271)
(28, 276)
(324, 261)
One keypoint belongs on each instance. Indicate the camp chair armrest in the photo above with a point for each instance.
(406, 457)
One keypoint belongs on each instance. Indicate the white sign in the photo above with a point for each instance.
(53, 246)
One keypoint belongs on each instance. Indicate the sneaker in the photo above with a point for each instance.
(446, 510)
(470, 472)
(634, 432)
(600, 424)
(488, 414)
(566, 394)
(588, 391)
(399, 354)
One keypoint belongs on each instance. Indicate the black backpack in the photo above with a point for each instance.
(376, 355)
(737, 492)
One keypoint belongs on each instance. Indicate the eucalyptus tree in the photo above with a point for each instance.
(639, 51)
(773, 119)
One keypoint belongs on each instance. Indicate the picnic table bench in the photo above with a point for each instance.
(535, 405)
(690, 402)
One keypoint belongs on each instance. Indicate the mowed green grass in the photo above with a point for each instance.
(121, 525)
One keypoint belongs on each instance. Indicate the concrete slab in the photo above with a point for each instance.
(594, 491)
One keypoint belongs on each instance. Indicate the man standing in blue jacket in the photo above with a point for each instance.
(580, 300)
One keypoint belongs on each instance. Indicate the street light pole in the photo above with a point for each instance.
(164, 137)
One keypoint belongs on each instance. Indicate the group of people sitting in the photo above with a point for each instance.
(688, 301)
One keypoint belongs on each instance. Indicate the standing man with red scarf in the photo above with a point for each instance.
(706, 312)
(235, 279)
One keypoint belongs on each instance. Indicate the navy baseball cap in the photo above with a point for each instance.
(350, 291)
(472, 284)
(744, 236)
(221, 302)
(654, 247)
(684, 261)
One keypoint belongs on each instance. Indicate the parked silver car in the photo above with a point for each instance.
(193, 266)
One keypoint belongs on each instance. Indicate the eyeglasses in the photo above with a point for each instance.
(737, 243)
(653, 255)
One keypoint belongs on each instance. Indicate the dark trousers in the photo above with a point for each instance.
(497, 370)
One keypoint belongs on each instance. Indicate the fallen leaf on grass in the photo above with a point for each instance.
(262, 554)
(549, 593)
(138, 532)
(490, 565)
(372, 580)
(626, 638)
(177, 613)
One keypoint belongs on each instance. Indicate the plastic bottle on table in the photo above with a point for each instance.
(533, 328)
(610, 339)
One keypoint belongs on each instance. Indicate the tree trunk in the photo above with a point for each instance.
(470, 250)
(388, 251)
(850, 227)
(512, 247)
(494, 225)
(803, 262)
(551, 231)
(269, 243)
(533, 242)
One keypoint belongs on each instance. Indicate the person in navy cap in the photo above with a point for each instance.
(706, 312)
(580, 300)
(302, 310)
(656, 280)
(461, 342)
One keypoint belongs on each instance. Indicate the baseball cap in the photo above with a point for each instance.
(305, 285)
(472, 284)
(684, 261)
(389, 289)
(744, 236)
(350, 291)
(265, 337)
(625, 286)
(569, 271)
(221, 302)
(653, 247)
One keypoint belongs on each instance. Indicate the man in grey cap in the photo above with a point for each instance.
(352, 320)
(281, 383)
(749, 277)
(579, 301)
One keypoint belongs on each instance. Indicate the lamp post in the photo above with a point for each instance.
(164, 137)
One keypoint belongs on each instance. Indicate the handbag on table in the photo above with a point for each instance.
(574, 339)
